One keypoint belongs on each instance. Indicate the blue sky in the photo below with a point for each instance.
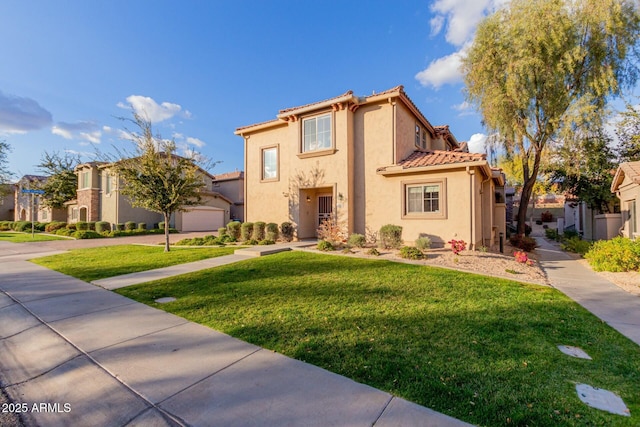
(200, 69)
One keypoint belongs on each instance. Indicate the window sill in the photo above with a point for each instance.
(316, 153)
(269, 180)
(423, 216)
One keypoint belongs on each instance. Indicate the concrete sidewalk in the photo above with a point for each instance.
(79, 355)
(613, 305)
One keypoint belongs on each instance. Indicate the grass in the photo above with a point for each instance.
(480, 349)
(17, 237)
(99, 263)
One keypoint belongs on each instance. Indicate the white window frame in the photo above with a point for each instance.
(440, 213)
(85, 176)
(263, 163)
(306, 146)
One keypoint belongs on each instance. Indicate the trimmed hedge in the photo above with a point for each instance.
(130, 225)
(271, 231)
(233, 229)
(82, 226)
(357, 240)
(54, 225)
(617, 255)
(390, 236)
(258, 231)
(286, 231)
(102, 226)
(246, 231)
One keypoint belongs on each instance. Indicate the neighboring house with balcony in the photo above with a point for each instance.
(23, 202)
(366, 162)
(626, 185)
(99, 199)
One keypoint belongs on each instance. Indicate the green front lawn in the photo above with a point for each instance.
(99, 263)
(17, 237)
(477, 348)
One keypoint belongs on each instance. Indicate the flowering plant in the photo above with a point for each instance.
(522, 257)
(457, 246)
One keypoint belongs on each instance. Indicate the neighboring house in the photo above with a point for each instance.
(7, 202)
(366, 162)
(99, 199)
(28, 207)
(231, 185)
(626, 185)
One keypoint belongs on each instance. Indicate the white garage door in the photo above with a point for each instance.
(202, 219)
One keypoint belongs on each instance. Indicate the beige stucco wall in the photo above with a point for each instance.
(627, 192)
(233, 189)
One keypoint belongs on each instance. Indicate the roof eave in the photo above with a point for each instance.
(348, 97)
(399, 170)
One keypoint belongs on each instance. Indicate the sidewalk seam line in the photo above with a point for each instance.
(383, 410)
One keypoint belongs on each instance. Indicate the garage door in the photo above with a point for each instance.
(202, 219)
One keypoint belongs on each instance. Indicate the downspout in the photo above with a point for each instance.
(244, 182)
(472, 187)
(482, 208)
(393, 130)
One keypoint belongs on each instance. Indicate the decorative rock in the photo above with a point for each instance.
(602, 399)
(574, 352)
(165, 300)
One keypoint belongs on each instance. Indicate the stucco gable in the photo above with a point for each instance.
(630, 170)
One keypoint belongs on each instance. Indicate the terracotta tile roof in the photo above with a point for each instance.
(632, 171)
(229, 175)
(437, 157)
(34, 178)
(286, 110)
(259, 124)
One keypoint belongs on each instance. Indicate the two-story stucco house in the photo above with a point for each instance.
(29, 207)
(366, 162)
(99, 199)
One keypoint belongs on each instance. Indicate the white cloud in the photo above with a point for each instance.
(476, 143)
(464, 109)
(461, 18)
(195, 141)
(177, 135)
(86, 132)
(149, 109)
(445, 70)
(20, 114)
(436, 23)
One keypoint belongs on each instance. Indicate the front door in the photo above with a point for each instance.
(325, 208)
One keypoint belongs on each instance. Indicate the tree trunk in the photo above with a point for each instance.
(166, 232)
(527, 189)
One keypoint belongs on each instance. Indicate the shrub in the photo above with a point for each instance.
(373, 251)
(64, 232)
(54, 226)
(92, 225)
(6, 225)
(258, 230)
(120, 227)
(222, 231)
(575, 244)
(357, 240)
(82, 226)
(266, 242)
(457, 246)
(568, 234)
(72, 226)
(22, 225)
(251, 242)
(410, 252)
(324, 245)
(546, 216)
(161, 225)
(233, 230)
(390, 236)
(39, 226)
(525, 243)
(287, 231)
(271, 231)
(423, 243)
(86, 234)
(142, 226)
(551, 234)
(527, 230)
(246, 231)
(331, 231)
(522, 258)
(616, 255)
(102, 226)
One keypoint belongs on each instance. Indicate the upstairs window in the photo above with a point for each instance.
(84, 179)
(316, 133)
(269, 163)
(108, 186)
(421, 137)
